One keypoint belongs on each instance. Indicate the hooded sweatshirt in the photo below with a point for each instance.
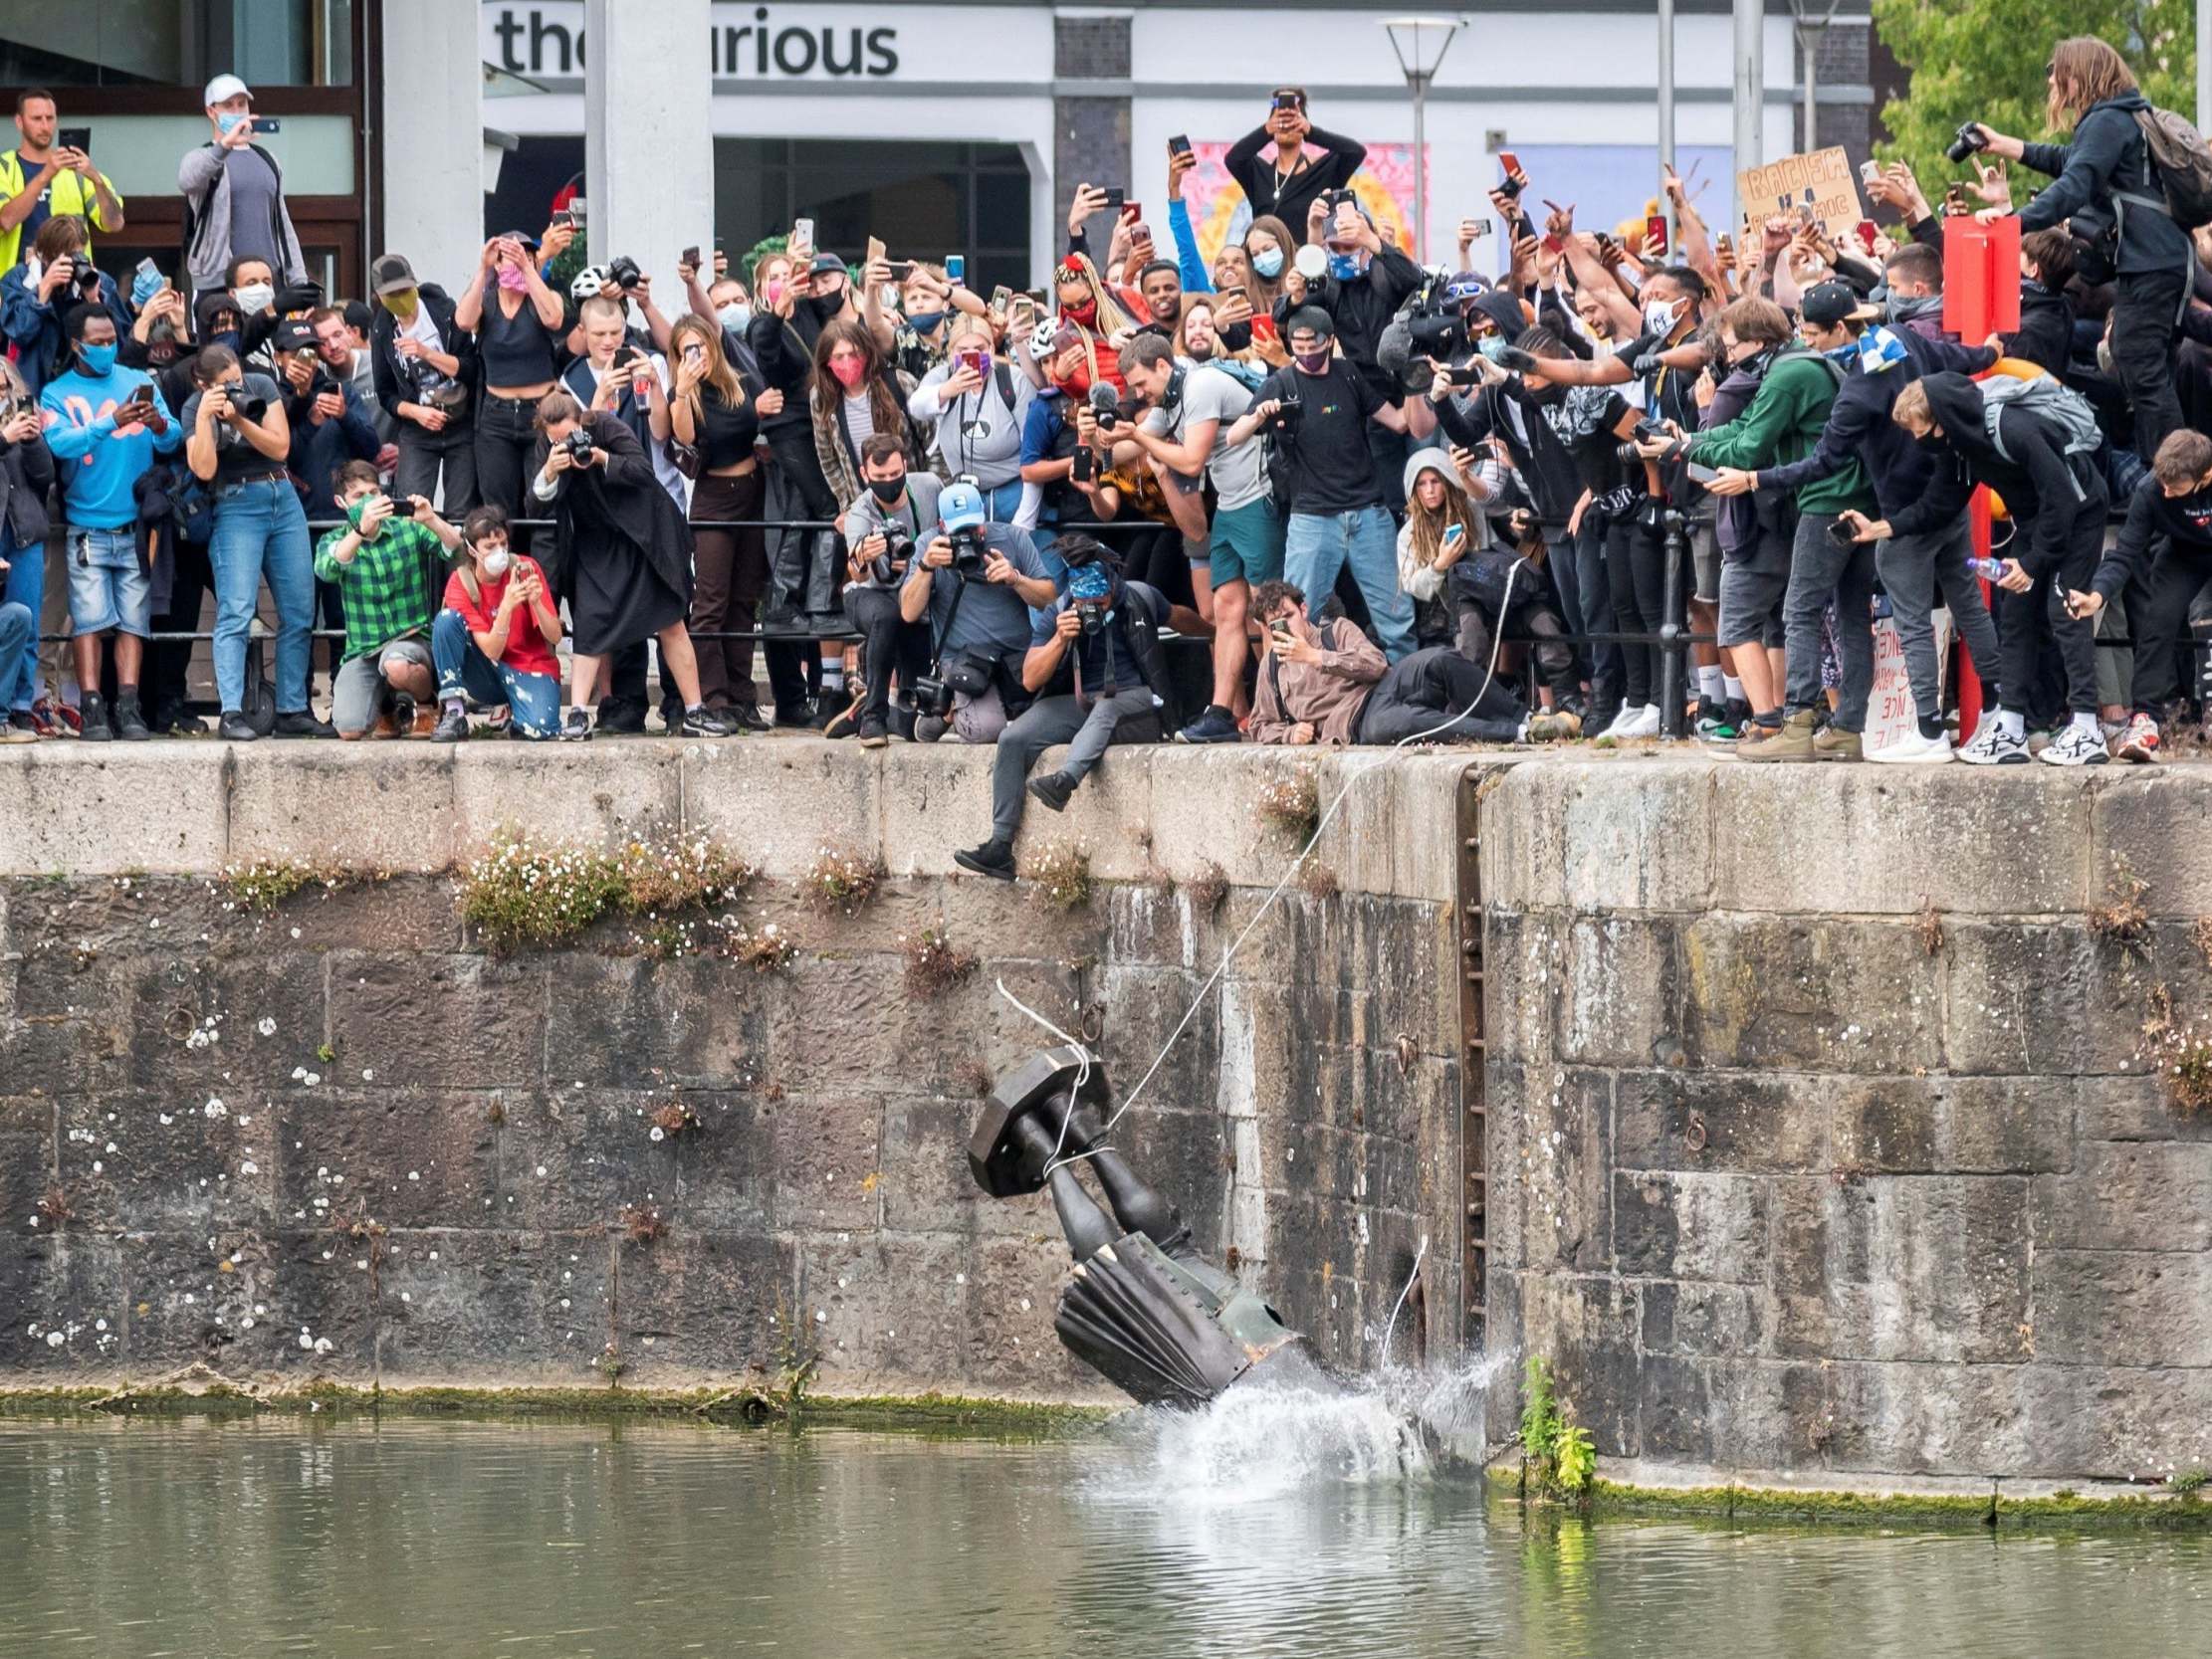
(1425, 583)
(2184, 521)
(2108, 156)
(1784, 424)
(2043, 487)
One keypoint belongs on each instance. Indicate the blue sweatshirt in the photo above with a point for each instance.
(98, 463)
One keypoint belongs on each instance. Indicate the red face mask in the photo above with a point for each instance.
(850, 371)
(1085, 312)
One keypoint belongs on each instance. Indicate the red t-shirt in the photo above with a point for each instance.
(526, 650)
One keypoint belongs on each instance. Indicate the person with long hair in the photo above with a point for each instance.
(495, 637)
(712, 414)
(622, 557)
(979, 407)
(1090, 307)
(856, 394)
(518, 326)
(2109, 196)
(1267, 249)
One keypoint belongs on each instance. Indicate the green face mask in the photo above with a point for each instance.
(354, 511)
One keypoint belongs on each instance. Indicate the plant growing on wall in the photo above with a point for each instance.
(1556, 1452)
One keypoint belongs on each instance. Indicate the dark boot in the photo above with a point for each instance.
(93, 710)
(130, 724)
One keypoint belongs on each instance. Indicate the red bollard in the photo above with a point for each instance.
(1981, 297)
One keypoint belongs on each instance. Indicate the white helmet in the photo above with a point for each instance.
(1043, 343)
(587, 283)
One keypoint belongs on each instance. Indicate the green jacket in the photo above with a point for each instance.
(1782, 425)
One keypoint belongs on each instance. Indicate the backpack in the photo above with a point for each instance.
(1806, 356)
(2182, 163)
(2059, 405)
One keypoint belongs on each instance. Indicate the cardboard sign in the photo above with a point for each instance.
(1891, 715)
(1822, 181)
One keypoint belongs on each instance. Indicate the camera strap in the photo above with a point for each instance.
(937, 659)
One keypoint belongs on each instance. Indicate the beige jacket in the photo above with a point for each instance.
(1327, 696)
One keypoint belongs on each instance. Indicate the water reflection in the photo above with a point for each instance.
(144, 1538)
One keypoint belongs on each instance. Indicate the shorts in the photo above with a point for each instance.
(1705, 558)
(1246, 544)
(1751, 604)
(360, 692)
(107, 587)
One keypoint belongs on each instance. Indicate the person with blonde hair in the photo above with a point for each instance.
(712, 414)
(2108, 195)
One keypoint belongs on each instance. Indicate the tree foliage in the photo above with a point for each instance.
(1983, 61)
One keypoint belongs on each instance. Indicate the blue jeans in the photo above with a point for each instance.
(262, 535)
(535, 697)
(1318, 545)
(1002, 500)
(19, 672)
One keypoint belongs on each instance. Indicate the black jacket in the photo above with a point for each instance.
(630, 504)
(2108, 156)
(1255, 175)
(2044, 490)
(785, 349)
(1362, 310)
(1859, 428)
(26, 475)
(2046, 332)
(395, 382)
(2185, 521)
(1553, 479)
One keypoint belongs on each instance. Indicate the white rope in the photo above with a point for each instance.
(1384, 1356)
(1082, 1069)
(1497, 644)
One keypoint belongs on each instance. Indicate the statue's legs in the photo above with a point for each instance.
(1085, 1225)
(1138, 1206)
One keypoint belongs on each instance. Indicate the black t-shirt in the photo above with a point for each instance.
(1329, 460)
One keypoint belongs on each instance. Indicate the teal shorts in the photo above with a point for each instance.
(1247, 545)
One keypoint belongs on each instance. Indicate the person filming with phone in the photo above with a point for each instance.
(47, 175)
(388, 562)
(1290, 183)
(233, 190)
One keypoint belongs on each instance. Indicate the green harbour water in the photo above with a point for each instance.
(1290, 1533)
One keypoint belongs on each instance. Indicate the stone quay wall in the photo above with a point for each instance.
(1825, 1146)
(340, 1139)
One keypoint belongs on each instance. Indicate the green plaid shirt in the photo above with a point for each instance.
(385, 590)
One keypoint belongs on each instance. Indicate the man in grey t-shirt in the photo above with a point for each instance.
(1192, 406)
(234, 195)
(992, 619)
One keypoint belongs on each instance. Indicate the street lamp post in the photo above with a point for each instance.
(1421, 43)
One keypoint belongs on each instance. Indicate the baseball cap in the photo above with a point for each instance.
(829, 262)
(1311, 318)
(1827, 304)
(225, 87)
(391, 274)
(294, 336)
(961, 506)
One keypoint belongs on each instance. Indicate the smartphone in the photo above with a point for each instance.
(691, 257)
(1868, 231)
(1134, 212)
(268, 123)
(1552, 243)
(802, 230)
(1180, 145)
(1486, 227)
(74, 137)
(980, 361)
(1139, 231)
(956, 266)
(1001, 298)
(694, 353)
(1453, 535)
(875, 250)
(1114, 196)
(576, 209)
(1655, 233)
(1870, 172)
(1511, 163)
(1702, 474)
(1286, 101)
(146, 268)
(562, 217)
(1083, 464)
(1236, 289)
(1279, 628)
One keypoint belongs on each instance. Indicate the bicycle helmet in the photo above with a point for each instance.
(588, 282)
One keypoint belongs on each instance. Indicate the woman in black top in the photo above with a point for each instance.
(517, 320)
(714, 414)
(1288, 186)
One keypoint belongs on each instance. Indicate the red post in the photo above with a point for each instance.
(1981, 297)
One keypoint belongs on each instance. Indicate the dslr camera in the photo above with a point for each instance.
(898, 549)
(1968, 141)
(932, 697)
(968, 552)
(622, 273)
(578, 445)
(1644, 432)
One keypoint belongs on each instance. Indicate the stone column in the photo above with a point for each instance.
(1090, 123)
(648, 134)
(432, 128)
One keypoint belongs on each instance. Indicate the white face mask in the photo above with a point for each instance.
(1660, 316)
(736, 316)
(255, 298)
(496, 562)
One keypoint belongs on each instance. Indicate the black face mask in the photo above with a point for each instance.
(827, 306)
(1757, 363)
(888, 489)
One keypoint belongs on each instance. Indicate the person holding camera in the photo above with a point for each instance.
(330, 425)
(386, 561)
(978, 583)
(1098, 677)
(883, 530)
(40, 178)
(519, 324)
(495, 637)
(622, 557)
(1289, 182)
(617, 374)
(233, 192)
(426, 371)
(105, 426)
(2108, 193)
(38, 296)
(26, 476)
(237, 440)
(978, 407)
(1317, 412)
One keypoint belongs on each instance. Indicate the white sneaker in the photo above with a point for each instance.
(1991, 746)
(2074, 746)
(1636, 723)
(1913, 749)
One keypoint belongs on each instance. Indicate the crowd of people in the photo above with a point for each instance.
(1391, 502)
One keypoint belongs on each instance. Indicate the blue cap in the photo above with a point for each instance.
(960, 506)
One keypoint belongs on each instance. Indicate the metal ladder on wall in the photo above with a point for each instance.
(1474, 1188)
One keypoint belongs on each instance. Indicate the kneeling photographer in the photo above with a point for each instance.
(882, 529)
(1099, 677)
(977, 583)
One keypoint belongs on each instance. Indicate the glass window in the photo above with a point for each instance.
(152, 42)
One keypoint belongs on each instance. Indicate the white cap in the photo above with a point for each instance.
(224, 88)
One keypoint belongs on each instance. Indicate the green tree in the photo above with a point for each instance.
(1983, 61)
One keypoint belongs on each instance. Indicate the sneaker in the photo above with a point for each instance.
(453, 726)
(402, 714)
(2139, 740)
(1053, 789)
(1636, 723)
(874, 732)
(798, 715)
(844, 720)
(747, 717)
(1832, 743)
(93, 717)
(2074, 746)
(1215, 726)
(706, 723)
(2110, 731)
(56, 717)
(1913, 749)
(1716, 728)
(929, 728)
(902, 723)
(1597, 716)
(21, 719)
(620, 718)
(11, 732)
(236, 727)
(782, 619)
(576, 729)
(1553, 728)
(301, 723)
(1793, 743)
(992, 857)
(128, 720)
(1992, 746)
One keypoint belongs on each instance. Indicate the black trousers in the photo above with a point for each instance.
(891, 644)
(2158, 603)
(802, 564)
(426, 458)
(1441, 693)
(2018, 614)
(162, 679)
(506, 434)
(2147, 306)
(1608, 664)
